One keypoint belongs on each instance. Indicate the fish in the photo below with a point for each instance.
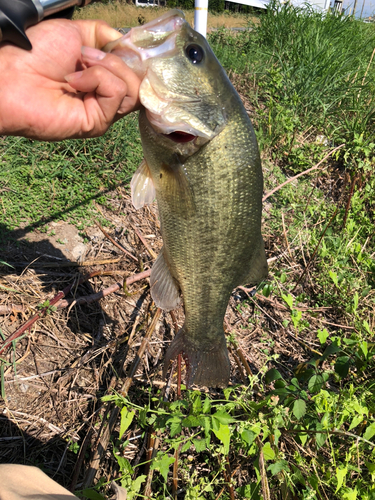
(202, 164)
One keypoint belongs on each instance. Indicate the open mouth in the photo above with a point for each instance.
(180, 137)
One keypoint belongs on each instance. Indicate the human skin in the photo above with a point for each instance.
(64, 87)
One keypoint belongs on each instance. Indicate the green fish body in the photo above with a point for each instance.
(202, 163)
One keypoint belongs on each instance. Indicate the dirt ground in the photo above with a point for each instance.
(56, 374)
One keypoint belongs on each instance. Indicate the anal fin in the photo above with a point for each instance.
(164, 288)
(142, 186)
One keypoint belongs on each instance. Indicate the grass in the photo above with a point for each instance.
(305, 431)
(61, 181)
(120, 15)
(314, 75)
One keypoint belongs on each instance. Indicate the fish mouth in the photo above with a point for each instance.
(180, 137)
(168, 122)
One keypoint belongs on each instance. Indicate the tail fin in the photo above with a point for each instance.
(210, 368)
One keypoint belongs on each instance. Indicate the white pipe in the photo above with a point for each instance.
(200, 16)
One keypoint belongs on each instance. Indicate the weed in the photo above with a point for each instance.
(61, 181)
(120, 14)
(313, 78)
(240, 427)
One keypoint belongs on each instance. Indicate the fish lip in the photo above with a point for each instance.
(180, 137)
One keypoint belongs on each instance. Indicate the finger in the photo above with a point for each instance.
(96, 33)
(106, 98)
(105, 34)
(93, 57)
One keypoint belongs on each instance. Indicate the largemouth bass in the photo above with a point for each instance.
(202, 164)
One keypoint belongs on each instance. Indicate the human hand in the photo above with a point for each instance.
(57, 92)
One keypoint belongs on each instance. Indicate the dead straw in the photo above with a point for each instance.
(115, 411)
(64, 303)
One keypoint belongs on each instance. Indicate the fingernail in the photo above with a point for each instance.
(93, 54)
(73, 76)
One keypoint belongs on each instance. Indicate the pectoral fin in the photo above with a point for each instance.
(142, 186)
(176, 189)
(164, 288)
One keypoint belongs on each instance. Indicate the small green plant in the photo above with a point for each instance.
(46, 306)
(302, 410)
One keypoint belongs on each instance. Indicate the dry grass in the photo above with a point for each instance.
(121, 15)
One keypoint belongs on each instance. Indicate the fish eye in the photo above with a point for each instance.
(195, 53)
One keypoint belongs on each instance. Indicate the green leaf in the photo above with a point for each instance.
(366, 326)
(267, 289)
(206, 406)
(371, 467)
(268, 452)
(334, 278)
(143, 417)
(272, 375)
(92, 494)
(227, 392)
(207, 429)
(329, 350)
(248, 436)
(223, 417)
(299, 408)
(124, 465)
(323, 335)
(342, 366)
(355, 301)
(364, 348)
(126, 420)
(175, 428)
(278, 467)
(197, 403)
(5, 264)
(162, 464)
(276, 437)
(250, 491)
(200, 445)
(186, 446)
(191, 421)
(350, 494)
(356, 421)
(369, 432)
(340, 474)
(320, 437)
(288, 299)
(223, 434)
(303, 438)
(315, 383)
(2, 380)
(280, 384)
(136, 484)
